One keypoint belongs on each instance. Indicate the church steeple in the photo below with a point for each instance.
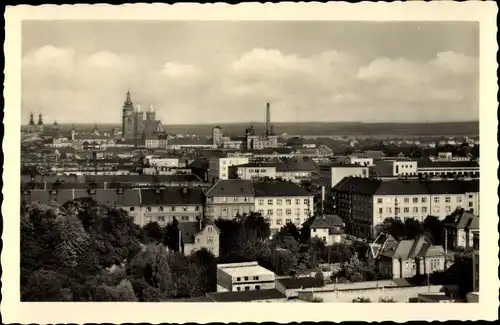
(40, 120)
(32, 119)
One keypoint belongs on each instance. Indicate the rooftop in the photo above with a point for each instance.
(245, 296)
(268, 189)
(232, 187)
(243, 269)
(172, 196)
(300, 283)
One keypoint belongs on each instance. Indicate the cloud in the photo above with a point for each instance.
(330, 85)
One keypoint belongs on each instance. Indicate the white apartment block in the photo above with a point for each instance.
(218, 167)
(282, 203)
(246, 276)
(229, 198)
(366, 203)
(255, 171)
(404, 167)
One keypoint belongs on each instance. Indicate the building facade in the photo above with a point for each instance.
(246, 276)
(137, 124)
(228, 199)
(219, 167)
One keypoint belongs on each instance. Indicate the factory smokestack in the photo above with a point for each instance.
(268, 119)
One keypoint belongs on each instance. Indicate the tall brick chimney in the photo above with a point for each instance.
(268, 119)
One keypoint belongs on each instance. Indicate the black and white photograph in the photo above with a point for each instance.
(232, 160)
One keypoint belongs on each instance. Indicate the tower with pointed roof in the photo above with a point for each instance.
(150, 115)
(128, 118)
(32, 119)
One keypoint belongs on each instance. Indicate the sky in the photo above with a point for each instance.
(222, 71)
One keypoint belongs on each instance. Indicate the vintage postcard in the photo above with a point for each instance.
(164, 161)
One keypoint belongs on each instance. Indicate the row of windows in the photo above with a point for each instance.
(280, 201)
(279, 212)
(255, 278)
(436, 199)
(197, 208)
(162, 218)
(422, 210)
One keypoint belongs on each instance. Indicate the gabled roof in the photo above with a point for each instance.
(232, 187)
(273, 189)
(189, 230)
(172, 196)
(463, 220)
(330, 222)
(410, 249)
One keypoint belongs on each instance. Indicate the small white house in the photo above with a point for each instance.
(328, 228)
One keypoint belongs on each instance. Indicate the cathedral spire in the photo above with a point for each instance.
(151, 108)
(128, 96)
(40, 120)
(32, 119)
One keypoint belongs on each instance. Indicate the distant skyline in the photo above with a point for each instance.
(225, 72)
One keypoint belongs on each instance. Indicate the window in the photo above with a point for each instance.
(379, 200)
(436, 209)
(210, 240)
(424, 209)
(270, 201)
(148, 208)
(459, 199)
(261, 202)
(246, 278)
(185, 218)
(306, 201)
(436, 199)
(288, 212)
(278, 222)
(471, 204)
(380, 210)
(288, 201)
(209, 228)
(256, 278)
(257, 287)
(447, 199)
(270, 212)
(389, 210)
(173, 209)
(247, 288)
(132, 209)
(161, 208)
(238, 279)
(297, 201)
(415, 209)
(161, 218)
(424, 199)
(288, 220)
(297, 211)
(238, 288)
(406, 210)
(261, 211)
(324, 238)
(314, 229)
(470, 196)
(279, 212)
(307, 211)
(407, 200)
(415, 200)
(279, 201)
(406, 264)
(396, 210)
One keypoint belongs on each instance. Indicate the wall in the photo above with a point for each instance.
(404, 168)
(399, 294)
(275, 209)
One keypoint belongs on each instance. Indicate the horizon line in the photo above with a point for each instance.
(301, 122)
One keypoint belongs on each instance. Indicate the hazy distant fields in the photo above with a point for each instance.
(324, 129)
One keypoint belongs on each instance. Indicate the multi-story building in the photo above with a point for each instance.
(257, 170)
(197, 235)
(406, 258)
(246, 276)
(281, 203)
(429, 168)
(162, 205)
(158, 161)
(156, 141)
(230, 198)
(365, 203)
(218, 167)
(331, 175)
(357, 160)
(137, 124)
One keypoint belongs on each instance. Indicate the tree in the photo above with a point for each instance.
(44, 285)
(172, 236)
(354, 269)
(283, 262)
(413, 228)
(255, 221)
(434, 228)
(319, 276)
(338, 253)
(152, 232)
(290, 231)
(316, 248)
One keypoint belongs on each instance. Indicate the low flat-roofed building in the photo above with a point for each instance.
(290, 286)
(245, 276)
(266, 295)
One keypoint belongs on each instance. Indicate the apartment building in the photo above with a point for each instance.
(406, 258)
(429, 168)
(246, 276)
(165, 204)
(357, 160)
(219, 167)
(365, 203)
(197, 235)
(158, 161)
(229, 198)
(331, 175)
(281, 203)
(257, 170)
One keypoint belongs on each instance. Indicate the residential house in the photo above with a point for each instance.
(328, 228)
(281, 203)
(197, 235)
(230, 198)
(162, 205)
(247, 276)
(461, 227)
(406, 258)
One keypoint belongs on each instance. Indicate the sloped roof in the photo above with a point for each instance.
(327, 222)
(464, 220)
(410, 249)
(401, 187)
(232, 187)
(273, 189)
(172, 196)
(190, 229)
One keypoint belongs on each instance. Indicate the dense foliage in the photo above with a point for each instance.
(83, 251)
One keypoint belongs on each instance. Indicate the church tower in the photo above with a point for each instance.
(128, 118)
(32, 119)
(40, 123)
(150, 116)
